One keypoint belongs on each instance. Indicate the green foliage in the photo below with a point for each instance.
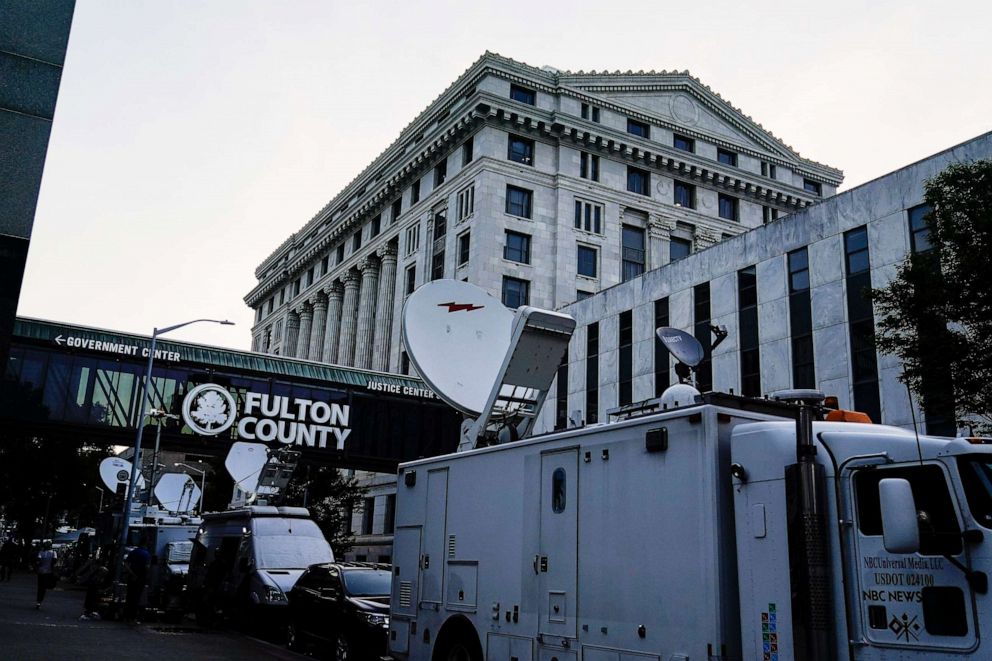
(937, 312)
(331, 498)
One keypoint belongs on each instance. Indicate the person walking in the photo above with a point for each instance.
(46, 571)
(136, 566)
(8, 558)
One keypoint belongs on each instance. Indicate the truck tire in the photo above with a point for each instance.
(457, 641)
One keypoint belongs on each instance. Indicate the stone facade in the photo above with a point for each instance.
(881, 206)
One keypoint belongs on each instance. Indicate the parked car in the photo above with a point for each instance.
(341, 610)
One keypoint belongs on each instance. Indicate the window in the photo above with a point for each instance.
(467, 149)
(683, 143)
(368, 515)
(440, 223)
(919, 233)
(768, 214)
(685, 195)
(678, 249)
(389, 519)
(625, 376)
(592, 373)
(813, 187)
(309, 280)
(641, 129)
(728, 207)
(632, 252)
(411, 279)
(801, 320)
(561, 393)
(519, 201)
(412, 239)
(747, 315)
(662, 374)
(701, 330)
(404, 363)
(767, 170)
(440, 172)
(523, 95)
(437, 266)
(296, 287)
(324, 264)
(589, 217)
(397, 209)
(415, 192)
(464, 243)
(465, 203)
(587, 258)
(590, 112)
(726, 157)
(861, 317)
(269, 306)
(376, 227)
(582, 295)
(517, 248)
(589, 166)
(516, 292)
(558, 491)
(356, 241)
(638, 181)
(520, 150)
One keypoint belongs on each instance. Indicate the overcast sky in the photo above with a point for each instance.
(191, 138)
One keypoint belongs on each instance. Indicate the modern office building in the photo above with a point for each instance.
(542, 186)
(789, 293)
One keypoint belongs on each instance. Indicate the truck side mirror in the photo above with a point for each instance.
(900, 530)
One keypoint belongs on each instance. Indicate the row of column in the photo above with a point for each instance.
(348, 322)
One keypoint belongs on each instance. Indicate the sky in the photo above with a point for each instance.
(192, 137)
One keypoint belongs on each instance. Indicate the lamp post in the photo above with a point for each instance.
(203, 481)
(99, 509)
(160, 417)
(129, 501)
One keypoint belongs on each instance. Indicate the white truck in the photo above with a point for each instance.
(688, 534)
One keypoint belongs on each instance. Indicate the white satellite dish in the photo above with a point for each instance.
(457, 336)
(244, 464)
(115, 471)
(177, 492)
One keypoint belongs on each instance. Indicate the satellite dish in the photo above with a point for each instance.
(457, 336)
(115, 471)
(177, 492)
(682, 345)
(244, 464)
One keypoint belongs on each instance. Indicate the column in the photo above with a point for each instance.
(303, 337)
(384, 309)
(319, 303)
(292, 333)
(349, 313)
(331, 338)
(366, 312)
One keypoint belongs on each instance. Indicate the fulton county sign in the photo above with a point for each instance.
(209, 409)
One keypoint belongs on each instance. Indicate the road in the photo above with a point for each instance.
(55, 632)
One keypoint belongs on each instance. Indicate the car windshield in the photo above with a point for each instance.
(976, 477)
(289, 544)
(367, 582)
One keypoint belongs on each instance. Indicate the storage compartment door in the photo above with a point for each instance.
(557, 563)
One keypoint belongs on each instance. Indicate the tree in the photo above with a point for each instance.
(937, 311)
(331, 498)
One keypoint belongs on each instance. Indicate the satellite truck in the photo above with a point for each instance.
(690, 527)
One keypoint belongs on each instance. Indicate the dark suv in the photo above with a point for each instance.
(341, 609)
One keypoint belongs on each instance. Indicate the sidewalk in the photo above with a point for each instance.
(55, 632)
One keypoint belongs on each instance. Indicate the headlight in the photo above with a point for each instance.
(273, 595)
(375, 619)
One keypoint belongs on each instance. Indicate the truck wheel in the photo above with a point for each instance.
(342, 649)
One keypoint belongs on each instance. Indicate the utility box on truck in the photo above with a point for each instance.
(668, 536)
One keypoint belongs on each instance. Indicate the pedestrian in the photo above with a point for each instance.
(136, 567)
(46, 571)
(96, 579)
(8, 558)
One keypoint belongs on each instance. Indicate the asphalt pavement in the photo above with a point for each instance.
(55, 632)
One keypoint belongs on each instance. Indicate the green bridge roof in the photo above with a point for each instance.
(72, 336)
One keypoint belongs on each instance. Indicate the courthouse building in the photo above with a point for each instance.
(539, 185)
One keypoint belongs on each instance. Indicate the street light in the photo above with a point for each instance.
(129, 501)
(203, 480)
(161, 417)
(99, 509)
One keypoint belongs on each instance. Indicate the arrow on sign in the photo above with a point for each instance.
(59, 340)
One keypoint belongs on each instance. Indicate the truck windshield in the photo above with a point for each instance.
(367, 582)
(976, 477)
(289, 544)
